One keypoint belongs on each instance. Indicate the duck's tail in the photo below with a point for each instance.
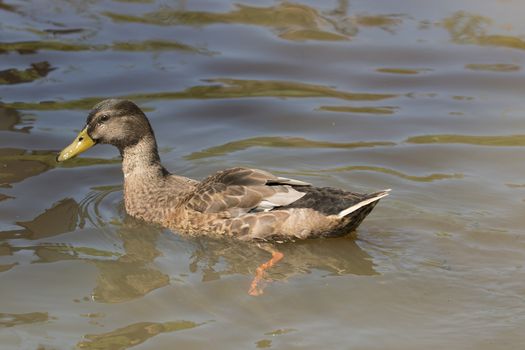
(373, 197)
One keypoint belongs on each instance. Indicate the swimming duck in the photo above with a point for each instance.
(241, 203)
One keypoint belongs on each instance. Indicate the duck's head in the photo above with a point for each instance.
(120, 123)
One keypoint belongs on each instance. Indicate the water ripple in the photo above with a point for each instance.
(132, 335)
(279, 142)
(218, 89)
(496, 141)
(425, 178)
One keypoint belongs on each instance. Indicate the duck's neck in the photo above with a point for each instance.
(144, 180)
(141, 161)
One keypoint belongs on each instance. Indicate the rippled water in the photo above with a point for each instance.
(426, 98)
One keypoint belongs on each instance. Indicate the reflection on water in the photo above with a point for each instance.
(424, 98)
(267, 343)
(278, 142)
(216, 258)
(132, 335)
(220, 89)
(466, 28)
(6, 7)
(11, 320)
(32, 47)
(64, 31)
(16, 169)
(502, 141)
(7, 267)
(19, 164)
(128, 277)
(383, 110)
(62, 217)
(131, 275)
(14, 76)
(425, 178)
(9, 118)
(290, 21)
(495, 67)
(400, 70)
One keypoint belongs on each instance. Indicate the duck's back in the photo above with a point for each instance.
(254, 204)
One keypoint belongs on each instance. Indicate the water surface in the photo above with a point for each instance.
(424, 98)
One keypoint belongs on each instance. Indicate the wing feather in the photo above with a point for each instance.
(241, 190)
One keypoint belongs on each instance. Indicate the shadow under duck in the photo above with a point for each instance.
(242, 203)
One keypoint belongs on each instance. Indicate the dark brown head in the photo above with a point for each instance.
(120, 123)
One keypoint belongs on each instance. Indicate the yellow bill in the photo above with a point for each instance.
(82, 143)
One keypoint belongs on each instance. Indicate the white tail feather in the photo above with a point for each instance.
(292, 182)
(359, 205)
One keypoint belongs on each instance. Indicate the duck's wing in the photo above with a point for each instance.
(242, 190)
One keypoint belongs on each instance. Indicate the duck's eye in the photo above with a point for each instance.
(104, 118)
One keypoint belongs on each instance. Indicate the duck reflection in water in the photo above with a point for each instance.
(216, 258)
(122, 276)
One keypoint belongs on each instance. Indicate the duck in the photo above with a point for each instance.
(238, 203)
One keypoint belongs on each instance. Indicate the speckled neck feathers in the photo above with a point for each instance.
(142, 160)
(144, 180)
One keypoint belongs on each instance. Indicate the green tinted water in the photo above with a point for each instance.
(425, 98)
